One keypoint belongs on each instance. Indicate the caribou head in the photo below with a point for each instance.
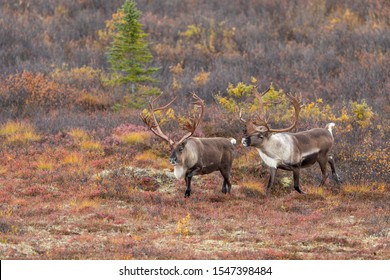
(257, 130)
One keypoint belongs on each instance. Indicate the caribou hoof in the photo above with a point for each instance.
(187, 193)
(338, 180)
(298, 189)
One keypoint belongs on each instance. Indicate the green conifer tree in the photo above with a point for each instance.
(129, 54)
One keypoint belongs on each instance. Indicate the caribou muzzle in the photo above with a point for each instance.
(246, 142)
(173, 158)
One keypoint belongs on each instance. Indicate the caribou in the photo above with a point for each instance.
(281, 149)
(192, 156)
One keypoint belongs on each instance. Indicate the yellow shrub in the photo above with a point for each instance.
(145, 156)
(201, 78)
(347, 17)
(176, 85)
(182, 226)
(87, 203)
(362, 113)
(192, 31)
(238, 100)
(150, 157)
(73, 159)
(85, 73)
(360, 189)
(10, 128)
(132, 138)
(316, 191)
(82, 73)
(170, 114)
(228, 103)
(18, 132)
(253, 186)
(177, 69)
(381, 188)
(86, 143)
(91, 146)
(44, 165)
(240, 90)
(79, 135)
(84, 204)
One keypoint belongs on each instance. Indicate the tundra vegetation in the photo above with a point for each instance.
(82, 178)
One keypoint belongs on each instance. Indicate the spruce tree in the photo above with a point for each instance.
(129, 54)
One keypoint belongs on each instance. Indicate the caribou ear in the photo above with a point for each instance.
(261, 128)
(182, 145)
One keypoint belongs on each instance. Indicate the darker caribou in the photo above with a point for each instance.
(191, 156)
(290, 151)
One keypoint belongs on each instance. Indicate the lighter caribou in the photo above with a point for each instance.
(192, 155)
(290, 151)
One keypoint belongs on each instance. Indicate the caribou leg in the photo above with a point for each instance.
(324, 171)
(272, 174)
(188, 178)
(188, 184)
(296, 180)
(226, 186)
(334, 174)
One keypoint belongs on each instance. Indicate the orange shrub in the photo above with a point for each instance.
(28, 93)
(92, 101)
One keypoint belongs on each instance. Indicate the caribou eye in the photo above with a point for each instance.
(261, 136)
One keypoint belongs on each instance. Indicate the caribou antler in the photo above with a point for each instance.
(261, 102)
(192, 124)
(151, 120)
(260, 94)
(259, 97)
(296, 102)
(261, 118)
(241, 118)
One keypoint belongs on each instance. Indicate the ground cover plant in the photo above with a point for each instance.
(81, 177)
